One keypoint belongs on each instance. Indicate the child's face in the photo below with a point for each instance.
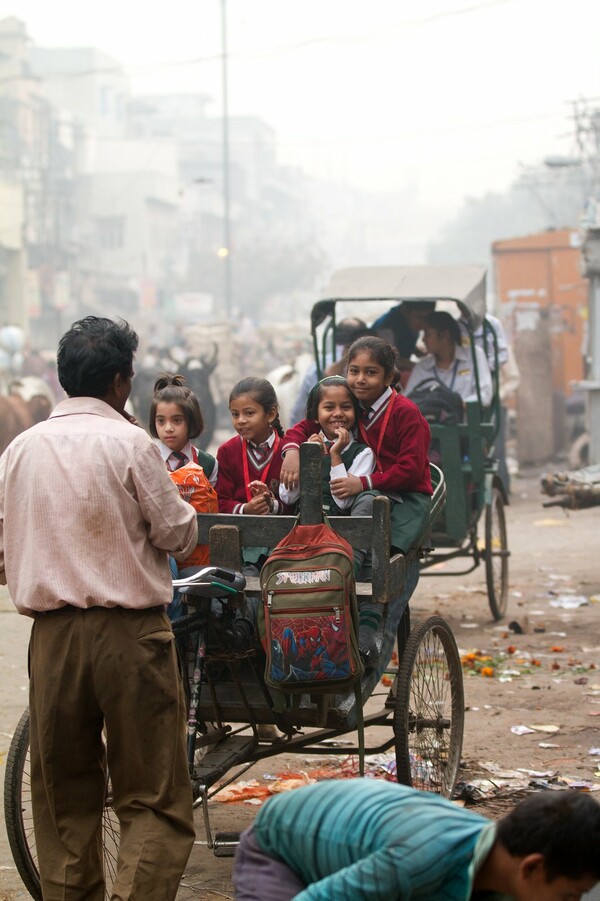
(171, 426)
(367, 378)
(335, 410)
(250, 420)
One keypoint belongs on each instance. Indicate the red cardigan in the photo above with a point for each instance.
(231, 485)
(403, 454)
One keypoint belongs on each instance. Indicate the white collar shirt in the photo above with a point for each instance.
(460, 376)
(88, 513)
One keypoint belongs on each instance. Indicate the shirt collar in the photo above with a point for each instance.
(381, 399)
(166, 452)
(325, 438)
(270, 441)
(73, 406)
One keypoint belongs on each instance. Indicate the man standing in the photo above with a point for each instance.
(88, 515)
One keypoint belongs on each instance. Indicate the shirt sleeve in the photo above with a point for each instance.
(362, 465)
(2, 478)
(485, 379)
(226, 486)
(172, 524)
(377, 877)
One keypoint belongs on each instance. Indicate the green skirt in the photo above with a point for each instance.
(410, 519)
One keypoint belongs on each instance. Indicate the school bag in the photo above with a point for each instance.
(195, 488)
(308, 621)
(437, 402)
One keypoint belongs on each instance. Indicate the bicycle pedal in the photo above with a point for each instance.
(225, 843)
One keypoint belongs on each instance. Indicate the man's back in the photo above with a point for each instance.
(91, 491)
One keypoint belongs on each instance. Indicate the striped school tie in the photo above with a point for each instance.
(179, 459)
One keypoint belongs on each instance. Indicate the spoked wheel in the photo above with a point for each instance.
(19, 821)
(496, 555)
(429, 714)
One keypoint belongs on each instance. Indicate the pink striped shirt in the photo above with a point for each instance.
(88, 513)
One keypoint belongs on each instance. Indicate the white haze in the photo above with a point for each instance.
(443, 97)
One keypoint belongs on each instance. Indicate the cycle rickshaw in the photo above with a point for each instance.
(474, 489)
(423, 711)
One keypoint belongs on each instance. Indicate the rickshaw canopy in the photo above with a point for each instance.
(463, 284)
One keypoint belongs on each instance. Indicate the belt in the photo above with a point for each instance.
(71, 608)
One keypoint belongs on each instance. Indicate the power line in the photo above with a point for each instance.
(278, 50)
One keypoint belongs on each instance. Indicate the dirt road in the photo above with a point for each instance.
(545, 678)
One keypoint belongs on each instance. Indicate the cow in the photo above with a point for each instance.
(29, 401)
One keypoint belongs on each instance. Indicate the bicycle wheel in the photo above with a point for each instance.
(19, 820)
(496, 555)
(429, 713)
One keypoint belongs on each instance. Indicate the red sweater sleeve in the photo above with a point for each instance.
(230, 482)
(404, 452)
(298, 434)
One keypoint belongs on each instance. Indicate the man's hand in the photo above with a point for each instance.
(290, 469)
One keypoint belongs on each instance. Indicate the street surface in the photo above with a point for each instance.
(547, 677)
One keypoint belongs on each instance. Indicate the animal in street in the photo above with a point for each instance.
(29, 401)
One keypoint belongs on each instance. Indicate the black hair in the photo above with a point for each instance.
(350, 329)
(382, 352)
(174, 389)
(92, 353)
(444, 322)
(261, 391)
(316, 393)
(564, 826)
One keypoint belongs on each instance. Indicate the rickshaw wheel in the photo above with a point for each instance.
(496, 555)
(19, 820)
(429, 714)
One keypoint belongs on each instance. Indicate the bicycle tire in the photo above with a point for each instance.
(19, 821)
(429, 712)
(17, 808)
(496, 555)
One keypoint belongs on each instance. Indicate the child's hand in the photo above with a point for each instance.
(257, 487)
(260, 505)
(346, 487)
(316, 439)
(290, 469)
(341, 442)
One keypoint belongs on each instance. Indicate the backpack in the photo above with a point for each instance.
(195, 488)
(437, 402)
(308, 621)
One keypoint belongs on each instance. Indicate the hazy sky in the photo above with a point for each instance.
(447, 95)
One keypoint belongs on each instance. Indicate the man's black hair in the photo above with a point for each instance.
(92, 353)
(564, 826)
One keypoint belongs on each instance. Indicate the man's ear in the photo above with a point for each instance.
(532, 866)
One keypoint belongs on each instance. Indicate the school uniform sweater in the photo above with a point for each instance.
(232, 482)
(403, 454)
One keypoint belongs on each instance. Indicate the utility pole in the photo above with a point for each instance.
(225, 251)
(587, 124)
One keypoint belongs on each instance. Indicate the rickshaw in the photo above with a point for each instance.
(229, 702)
(473, 486)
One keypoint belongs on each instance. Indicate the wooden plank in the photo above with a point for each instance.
(357, 530)
(311, 493)
(225, 547)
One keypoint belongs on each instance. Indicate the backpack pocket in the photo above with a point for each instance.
(309, 636)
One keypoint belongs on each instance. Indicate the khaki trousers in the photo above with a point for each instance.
(111, 669)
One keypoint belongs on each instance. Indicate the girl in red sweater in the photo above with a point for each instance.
(393, 427)
(250, 463)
